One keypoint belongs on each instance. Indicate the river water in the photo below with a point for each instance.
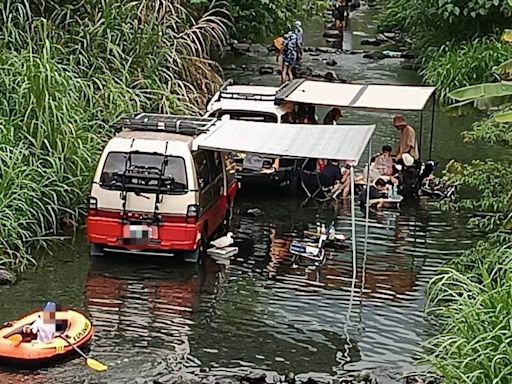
(261, 311)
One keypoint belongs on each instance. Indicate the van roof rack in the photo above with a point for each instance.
(225, 94)
(186, 125)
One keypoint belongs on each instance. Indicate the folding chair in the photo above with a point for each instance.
(310, 251)
(312, 183)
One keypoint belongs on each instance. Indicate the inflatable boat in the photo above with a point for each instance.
(19, 347)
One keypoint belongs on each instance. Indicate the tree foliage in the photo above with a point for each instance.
(261, 19)
(457, 41)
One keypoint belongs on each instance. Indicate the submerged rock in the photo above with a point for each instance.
(331, 62)
(6, 277)
(304, 72)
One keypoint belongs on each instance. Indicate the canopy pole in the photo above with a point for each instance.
(421, 134)
(354, 250)
(432, 126)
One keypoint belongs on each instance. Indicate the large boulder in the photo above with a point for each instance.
(6, 277)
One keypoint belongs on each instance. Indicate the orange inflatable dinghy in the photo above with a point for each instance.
(74, 326)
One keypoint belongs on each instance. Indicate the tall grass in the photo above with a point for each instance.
(473, 301)
(67, 72)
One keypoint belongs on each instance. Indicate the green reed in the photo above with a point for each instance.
(473, 301)
(67, 72)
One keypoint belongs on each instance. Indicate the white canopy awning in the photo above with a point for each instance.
(390, 97)
(341, 142)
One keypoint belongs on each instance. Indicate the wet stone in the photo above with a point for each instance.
(363, 376)
(375, 55)
(373, 42)
(327, 50)
(314, 54)
(331, 63)
(241, 47)
(265, 70)
(332, 34)
(258, 48)
(6, 277)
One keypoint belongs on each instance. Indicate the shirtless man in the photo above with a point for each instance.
(408, 143)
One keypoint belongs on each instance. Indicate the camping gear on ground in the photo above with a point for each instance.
(19, 347)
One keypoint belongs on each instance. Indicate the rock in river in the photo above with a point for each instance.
(375, 55)
(258, 48)
(332, 34)
(6, 277)
(265, 70)
(327, 50)
(373, 42)
(241, 47)
(331, 62)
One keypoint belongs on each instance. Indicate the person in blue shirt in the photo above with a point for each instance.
(330, 174)
(290, 46)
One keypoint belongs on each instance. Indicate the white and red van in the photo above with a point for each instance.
(153, 194)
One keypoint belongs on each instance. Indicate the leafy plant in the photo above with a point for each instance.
(474, 303)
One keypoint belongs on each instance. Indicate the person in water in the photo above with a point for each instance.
(408, 143)
(45, 327)
(376, 195)
(384, 163)
(332, 117)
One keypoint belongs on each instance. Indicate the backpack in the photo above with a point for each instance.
(279, 44)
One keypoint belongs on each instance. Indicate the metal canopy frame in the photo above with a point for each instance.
(286, 91)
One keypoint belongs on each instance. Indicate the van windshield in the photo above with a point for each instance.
(144, 172)
(247, 116)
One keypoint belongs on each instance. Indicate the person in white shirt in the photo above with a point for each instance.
(45, 326)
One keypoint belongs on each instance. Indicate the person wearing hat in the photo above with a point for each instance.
(45, 327)
(408, 143)
(300, 40)
(332, 116)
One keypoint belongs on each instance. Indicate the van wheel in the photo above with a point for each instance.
(197, 255)
(96, 250)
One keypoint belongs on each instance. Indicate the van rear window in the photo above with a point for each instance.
(144, 172)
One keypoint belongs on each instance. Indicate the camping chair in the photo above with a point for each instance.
(309, 251)
(313, 183)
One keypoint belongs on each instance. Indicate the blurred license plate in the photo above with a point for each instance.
(139, 234)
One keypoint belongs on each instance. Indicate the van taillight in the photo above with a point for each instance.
(93, 203)
(193, 210)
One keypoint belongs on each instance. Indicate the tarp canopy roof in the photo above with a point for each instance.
(341, 142)
(369, 96)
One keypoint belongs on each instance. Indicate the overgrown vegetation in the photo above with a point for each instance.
(472, 298)
(67, 71)
(258, 20)
(457, 41)
(473, 301)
